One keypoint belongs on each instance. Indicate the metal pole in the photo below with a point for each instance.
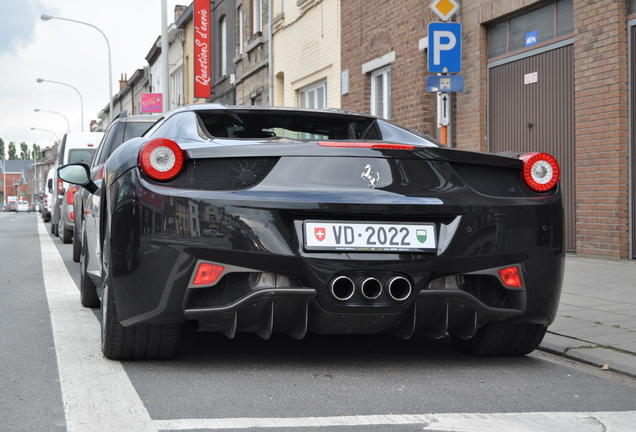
(165, 85)
(270, 34)
(110, 68)
(4, 181)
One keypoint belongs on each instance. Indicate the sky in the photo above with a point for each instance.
(69, 53)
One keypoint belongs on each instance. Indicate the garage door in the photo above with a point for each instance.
(531, 108)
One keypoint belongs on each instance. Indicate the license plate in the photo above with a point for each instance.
(369, 236)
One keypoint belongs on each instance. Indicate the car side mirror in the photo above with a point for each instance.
(49, 185)
(78, 174)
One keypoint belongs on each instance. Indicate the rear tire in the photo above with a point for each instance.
(77, 244)
(88, 290)
(65, 234)
(139, 342)
(498, 338)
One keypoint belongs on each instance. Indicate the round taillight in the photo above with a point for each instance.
(540, 171)
(161, 159)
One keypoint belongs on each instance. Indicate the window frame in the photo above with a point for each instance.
(304, 92)
(385, 73)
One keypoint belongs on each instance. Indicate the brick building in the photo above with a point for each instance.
(551, 75)
(383, 63)
(306, 54)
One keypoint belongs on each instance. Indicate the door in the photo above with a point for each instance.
(531, 108)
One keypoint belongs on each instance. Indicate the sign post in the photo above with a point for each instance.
(444, 57)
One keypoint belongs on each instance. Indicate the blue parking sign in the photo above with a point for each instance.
(444, 47)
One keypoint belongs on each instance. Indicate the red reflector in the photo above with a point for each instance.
(70, 195)
(368, 145)
(207, 274)
(510, 276)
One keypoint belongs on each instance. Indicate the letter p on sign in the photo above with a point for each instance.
(444, 47)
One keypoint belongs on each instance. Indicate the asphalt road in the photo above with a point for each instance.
(53, 377)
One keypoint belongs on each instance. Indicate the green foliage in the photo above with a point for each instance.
(36, 152)
(2, 148)
(13, 154)
(25, 153)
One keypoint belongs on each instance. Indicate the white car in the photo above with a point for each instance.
(23, 206)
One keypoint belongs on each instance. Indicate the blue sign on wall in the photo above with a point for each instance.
(444, 47)
(532, 38)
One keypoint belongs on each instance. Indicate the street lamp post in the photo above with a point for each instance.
(80, 96)
(110, 69)
(4, 180)
(54, 112)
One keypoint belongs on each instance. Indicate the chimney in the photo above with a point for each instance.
(178, 11)
(123, 80)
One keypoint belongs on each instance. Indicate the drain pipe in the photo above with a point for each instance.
(270, 35)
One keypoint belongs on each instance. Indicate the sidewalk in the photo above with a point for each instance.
(596, 320)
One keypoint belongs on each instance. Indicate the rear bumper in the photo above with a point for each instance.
(156, 246)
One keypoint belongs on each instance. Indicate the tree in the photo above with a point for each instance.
(13, 154)
(1, 147)
(25, 153)
(37, 152)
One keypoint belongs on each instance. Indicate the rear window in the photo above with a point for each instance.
(81, 155)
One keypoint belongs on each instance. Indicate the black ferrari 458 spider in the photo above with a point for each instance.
(260, 219)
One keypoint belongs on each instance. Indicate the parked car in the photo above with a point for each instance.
(12, 202)
(123, 128)
(23, 206)
(338, 222)
(76, 147)
(48, 196)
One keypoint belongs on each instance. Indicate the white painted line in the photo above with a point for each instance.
(509, 422)
(97, 393)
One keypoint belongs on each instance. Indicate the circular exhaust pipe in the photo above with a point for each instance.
(399, 288)
(342, 288)
(370, 288)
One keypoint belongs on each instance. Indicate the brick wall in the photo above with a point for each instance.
(601, 113)
(307, 50)
(373, 28)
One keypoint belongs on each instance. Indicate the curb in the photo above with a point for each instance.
(590, 353)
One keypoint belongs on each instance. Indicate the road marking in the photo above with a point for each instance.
(509, 422)
(98, 395)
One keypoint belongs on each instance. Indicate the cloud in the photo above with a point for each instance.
(17, 23)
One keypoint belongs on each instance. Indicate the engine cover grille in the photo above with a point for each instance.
(222, 174)
(495, 182)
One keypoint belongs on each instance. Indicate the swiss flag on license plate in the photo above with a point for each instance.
(320, 233)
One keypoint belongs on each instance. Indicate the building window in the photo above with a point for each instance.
(257, 100)
(314, 96)
(553, 21)
(279, 7)
(257, 16)
(381, 93)
(177, 88)
(241, 38)
(223, 47)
